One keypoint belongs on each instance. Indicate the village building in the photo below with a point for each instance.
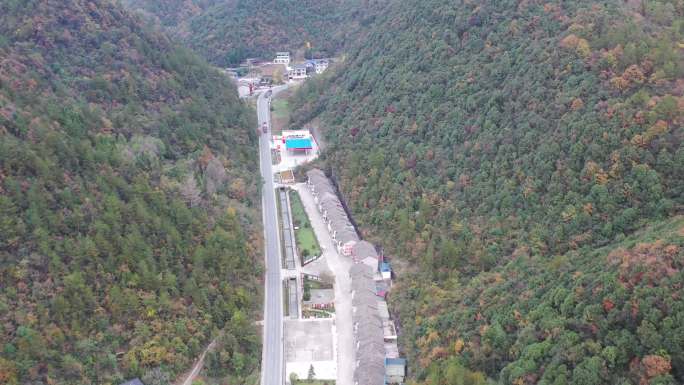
(321, 65)
(364, 252)
(375, 334)
(391, 350)
(317, 66)
(340, 228)
(368, 327)
(296, 142)
(395, 370)
(385, 270)
(304, 145)
(389, 331)
(383, 312)
(282, 58)
(298, 72)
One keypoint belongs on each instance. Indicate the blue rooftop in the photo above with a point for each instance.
(395, 361)
(298, 144)
(385, 266)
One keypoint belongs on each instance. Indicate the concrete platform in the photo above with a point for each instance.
(310, 342)
(307, 341)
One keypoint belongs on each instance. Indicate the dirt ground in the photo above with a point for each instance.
(280, 110)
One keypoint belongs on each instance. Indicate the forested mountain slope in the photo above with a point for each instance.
(228, 31)
(126, 195)
(482, 141)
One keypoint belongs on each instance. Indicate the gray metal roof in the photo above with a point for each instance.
(334, 210)
(319, 181)
(364, 249)
(367, 315)
(368, 333)
(328, 198)
(371, 369)
(372, 351)
(346, 234)
(361, 271)
(368, 325)
(383, 311)
(362, 286)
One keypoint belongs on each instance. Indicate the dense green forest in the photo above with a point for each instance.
(127, 203)
(228, 31)
(524, 163)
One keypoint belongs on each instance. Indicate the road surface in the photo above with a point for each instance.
(272, 366)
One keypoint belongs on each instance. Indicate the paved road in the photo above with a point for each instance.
(272, 366)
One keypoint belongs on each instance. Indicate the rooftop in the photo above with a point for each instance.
(364, 249)
(383, 311)
(391, 349)
(346, 234)
(135, 381)
(389, 329)
(395, 361)
(298, 144)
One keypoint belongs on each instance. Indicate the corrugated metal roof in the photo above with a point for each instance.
(383, 311)
(369, 333)
(364, 249)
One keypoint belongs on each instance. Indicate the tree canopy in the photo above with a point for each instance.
(127, 201)
(493, 147)
(226, 32)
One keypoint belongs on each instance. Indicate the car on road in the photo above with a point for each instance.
(264, 128)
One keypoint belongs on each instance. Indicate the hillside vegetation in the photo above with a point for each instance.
(226, 32)
(505, 151)
(126, 200)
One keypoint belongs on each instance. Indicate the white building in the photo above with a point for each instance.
(298, 71)
(321, 65)
(282, 58)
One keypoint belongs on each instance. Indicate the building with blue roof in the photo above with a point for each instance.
(395, 370)
(385, 270)
(298, 144)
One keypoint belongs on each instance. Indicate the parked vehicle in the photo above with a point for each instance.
(264, 128)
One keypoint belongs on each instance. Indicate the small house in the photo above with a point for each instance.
(282, 58)
(321, 65)
(385, 270)
(298, 71)
(395, 370)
